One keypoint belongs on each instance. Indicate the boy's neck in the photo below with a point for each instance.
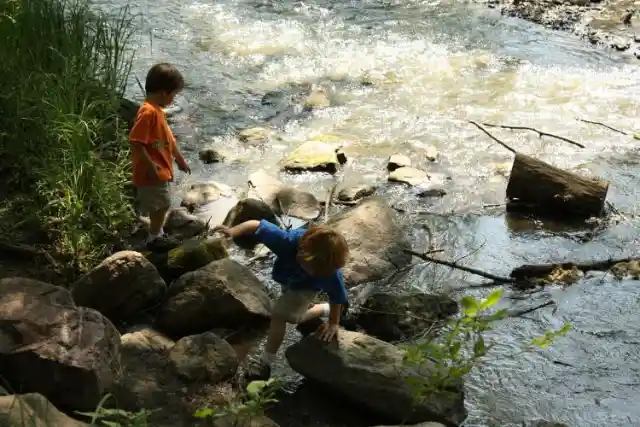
(156, 99)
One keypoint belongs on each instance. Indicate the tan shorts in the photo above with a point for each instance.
(153, 198)
(293, 304)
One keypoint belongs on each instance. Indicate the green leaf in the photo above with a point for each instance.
(454, 350)
(479, 349)
(255, 387)
(470, 306)
(204, 413)
(492, 299)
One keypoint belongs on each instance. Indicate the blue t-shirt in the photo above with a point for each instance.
(286, 269)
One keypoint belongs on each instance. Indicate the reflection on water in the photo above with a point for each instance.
(443, 64)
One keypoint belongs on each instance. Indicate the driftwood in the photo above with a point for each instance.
(538, 187)
(530, 271)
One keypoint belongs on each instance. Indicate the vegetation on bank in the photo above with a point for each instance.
(63, 149)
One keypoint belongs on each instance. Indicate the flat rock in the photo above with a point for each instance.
(205, 192)
(313, 156)
(355, 192)
(409, 175)
(121, 286)
(376, 242)
(398, 161)
(282, 198)
(69, 354)
(33, 410)
(371, 373)
(204, 357)
(223, 293)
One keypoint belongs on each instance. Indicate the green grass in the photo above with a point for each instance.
(62, 146)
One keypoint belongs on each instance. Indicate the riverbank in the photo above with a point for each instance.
(598, 22)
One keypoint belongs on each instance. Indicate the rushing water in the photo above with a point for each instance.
(450, 63)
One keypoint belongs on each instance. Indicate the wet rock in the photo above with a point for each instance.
(202, 193)
(636, 38)
(204, 357)
(620, 44)
(398, 161)
(431, 153)
(184, 225)
(224, 293)
(144, 338)
(189, 256)
(376, 242)
(283, 199)
(318, 99)
(256, 135)
(371, 373)
(409, 175)
(377, 78)
(33, 410)
(395, 318)
(433, 192)
(428, 424)
(355, 192)
(210, 155)
(341, 156)
(313, 156)
(246, 210)
(69, 354)
(542, 423)
(120, 287)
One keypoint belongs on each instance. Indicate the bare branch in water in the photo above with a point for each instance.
(520, 313)
(492, 137)
(539, 132)
(604, 125)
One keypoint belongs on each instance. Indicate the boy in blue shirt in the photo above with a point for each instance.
(307, 262)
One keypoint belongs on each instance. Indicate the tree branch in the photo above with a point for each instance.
(461, 267)
(539, 132)
(604, 125)
(492, 137)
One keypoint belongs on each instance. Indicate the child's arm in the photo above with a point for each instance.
(180, 161)
(247, 227)
(337, 299)
(138, 147)
(276, 239)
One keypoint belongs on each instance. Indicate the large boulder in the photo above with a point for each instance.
(184, 224)
(69, 354)
(204, 357)
(245, 210)
(283, 199)
(372, 373)
(121, 286)
(33, 410)
(224, 293)
(313, 156)
(189, 256)
(400, 317)
(376, 242)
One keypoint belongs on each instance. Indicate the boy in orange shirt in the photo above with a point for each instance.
(153, 151)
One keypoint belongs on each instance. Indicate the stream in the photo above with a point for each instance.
(446, 63)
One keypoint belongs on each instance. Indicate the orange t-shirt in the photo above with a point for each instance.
(152, 131)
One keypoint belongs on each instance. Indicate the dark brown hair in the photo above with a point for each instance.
(323, 250)
(164, 77)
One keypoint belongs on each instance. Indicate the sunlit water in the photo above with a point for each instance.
(449, 63)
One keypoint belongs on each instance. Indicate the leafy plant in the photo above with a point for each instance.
(245, 408)
(455, 353)
(117, 417)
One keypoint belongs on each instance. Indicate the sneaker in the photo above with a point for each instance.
(257, 370)
(162, 243)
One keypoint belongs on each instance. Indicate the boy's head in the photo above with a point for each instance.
(322, 251)
(163, 83)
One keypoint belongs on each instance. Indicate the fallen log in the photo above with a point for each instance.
(538, 187)
(530, 271)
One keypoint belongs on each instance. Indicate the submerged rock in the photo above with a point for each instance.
(282, 198)
(355, 192)
(395, 318)
(210, 155)
(313, 156)
(121, 286)
(318, 99)
(224, 293)
(48, 345)
(376, 242)
(371, 373)
(206, 192)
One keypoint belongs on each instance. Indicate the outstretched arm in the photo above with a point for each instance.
(247, 227)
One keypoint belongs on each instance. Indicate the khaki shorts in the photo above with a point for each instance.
(153, 198)
(293, 304)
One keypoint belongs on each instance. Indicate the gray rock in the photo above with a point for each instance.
(205, 192)
(210, 155)
(355, 192)
(246, 210)
(33, 410)
(283, 199)
(204, 357)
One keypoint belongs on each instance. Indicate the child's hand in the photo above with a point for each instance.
(185, 168)
(328, 332)
(224, 230)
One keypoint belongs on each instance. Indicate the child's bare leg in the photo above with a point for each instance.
(275, 337)
(156, 222)
(318, 310)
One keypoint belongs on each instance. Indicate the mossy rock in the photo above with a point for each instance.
(191, 255)
(313, 156)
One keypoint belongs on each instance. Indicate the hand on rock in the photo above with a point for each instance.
(327, 332)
